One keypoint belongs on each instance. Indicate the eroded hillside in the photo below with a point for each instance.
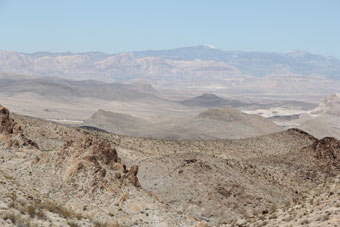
(71, 176)
(81, 177)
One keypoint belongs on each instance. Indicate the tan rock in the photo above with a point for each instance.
(134, 207)
(121, 199)
(201, 224)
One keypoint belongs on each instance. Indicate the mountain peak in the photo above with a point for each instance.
(208, 95)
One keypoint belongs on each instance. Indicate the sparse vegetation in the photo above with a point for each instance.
(73, 224)
(305, 222)
(31, 211)
(242, 176)
(11, 216)
(326, 217)
(264, 223)
(288, 219)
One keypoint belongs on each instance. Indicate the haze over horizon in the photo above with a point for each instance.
(112, 27)
(175, 48)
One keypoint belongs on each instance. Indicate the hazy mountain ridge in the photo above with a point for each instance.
(57, 87)
(198, 60)
(255, 63)
(119, 67)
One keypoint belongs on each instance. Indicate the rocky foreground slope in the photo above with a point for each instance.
(53, 175)
(70, 177)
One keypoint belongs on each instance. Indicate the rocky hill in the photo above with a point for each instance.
(118, 123)
(223, 122)
(210, 101)
(326, 118)
(321, 206)
(248, 180)
(71, 178)
(329, 106)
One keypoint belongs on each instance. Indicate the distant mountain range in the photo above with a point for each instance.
(197, 60)
(199, 68)
(254, 63)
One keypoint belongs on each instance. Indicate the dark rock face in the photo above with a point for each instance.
(11, 134)
(132, 175)
(299, 131)
(8, 125)
(325, 154)
(103, 151)
(327, 148)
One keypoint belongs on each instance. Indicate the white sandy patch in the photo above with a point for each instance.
(275, 112)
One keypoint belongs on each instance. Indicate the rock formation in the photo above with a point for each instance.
(11, 134)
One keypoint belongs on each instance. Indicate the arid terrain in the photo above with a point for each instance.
(153, 141)
(169, 113)
(57, 175)
(217, 123)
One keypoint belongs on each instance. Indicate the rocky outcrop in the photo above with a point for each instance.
(95, 162)
(11, 134)
(293, 131)
(132, 176)
(8, 125)
(325, 153)
(327, 149)
(329, 106)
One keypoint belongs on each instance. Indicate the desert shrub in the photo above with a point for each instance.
(55, 208)
(273, 208)
(31, 211)
(255, 212)
(11, 216)
(264, 223)
(40, 214)
(99, 224)
(262, 218)
(73, 224)
(287, 204)
(273, 216)
(287, 219)
(305, 222)
(326, 217)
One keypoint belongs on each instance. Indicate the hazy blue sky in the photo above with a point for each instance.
(118, 26)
